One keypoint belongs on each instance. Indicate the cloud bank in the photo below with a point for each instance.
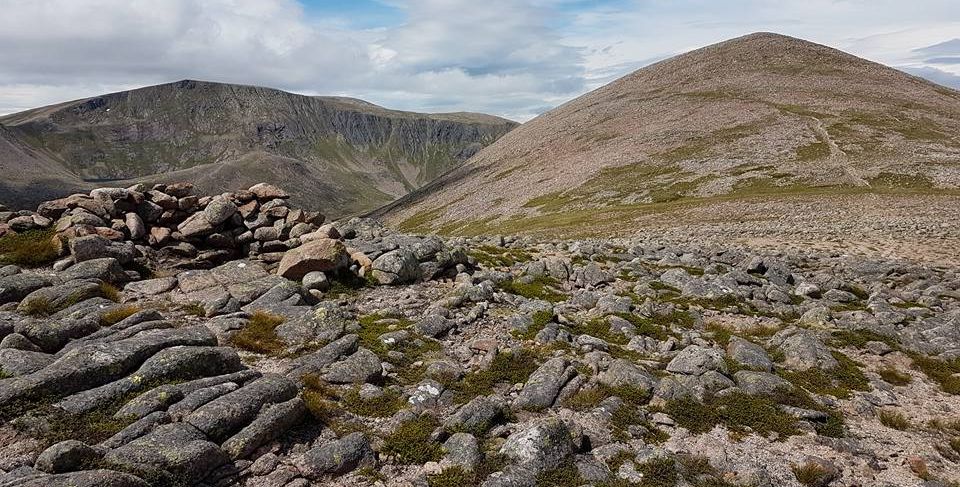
(515, 58)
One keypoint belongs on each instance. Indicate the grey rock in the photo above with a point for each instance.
(16, 362)
(802, 350)
(135, 226)
(545, 445)
(749, 354)
(316, 280)
(106, 269)
(67, 456)
(544, 384)
(225, 415)
(17, 286)
(434, 325)
(86, 478)
(96, 364)
(755, 382)
(462, 449)
(623, 373)
(396, 267)
(136, 429)
(89, 247)
(219, 210)
(337, 457)
(151, 287)
(177, 448)
(476, 416)
(363, 366)
(695, 360)
(270, 423)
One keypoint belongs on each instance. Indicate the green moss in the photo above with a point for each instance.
(539, 322)
(741, 413)
(813, 151)
(412, 349)
(859, 338)
(565, 476)
(659, 472)
(510, 367)
(945, 373)
(411, 444)
(894, 376)
(459, 477)
(541, 287)
(490, 256)
(33, 248)
(383, 406)
(839, 382)
(259, 334)
(193, 309)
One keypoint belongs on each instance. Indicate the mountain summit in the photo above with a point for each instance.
(764, 115)
(349, 154)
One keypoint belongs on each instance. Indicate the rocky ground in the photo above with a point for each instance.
(349, 354)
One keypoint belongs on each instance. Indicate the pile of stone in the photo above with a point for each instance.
(126, 223)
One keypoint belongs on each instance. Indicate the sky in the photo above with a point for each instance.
(513, 58)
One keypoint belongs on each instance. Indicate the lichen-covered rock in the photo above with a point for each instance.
(396, 267)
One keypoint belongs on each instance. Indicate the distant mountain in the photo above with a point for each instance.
(761, 116)
(339, 155)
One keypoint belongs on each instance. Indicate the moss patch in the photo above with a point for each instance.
(507, 368)
(411, 444)
(838, 382)
(543, 288)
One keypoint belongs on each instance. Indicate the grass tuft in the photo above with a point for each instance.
(811, 474)
(118, 314)
(510, 367)
(259, 335)
(893, 419)
(34, 248)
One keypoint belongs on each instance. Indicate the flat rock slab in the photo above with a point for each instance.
(96, 364)
(176, 448)
(227, 414)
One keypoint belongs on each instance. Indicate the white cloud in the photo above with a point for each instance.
(510, 57)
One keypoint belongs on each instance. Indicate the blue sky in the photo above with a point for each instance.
(514, 58)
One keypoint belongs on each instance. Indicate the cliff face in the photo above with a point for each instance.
(147, 133)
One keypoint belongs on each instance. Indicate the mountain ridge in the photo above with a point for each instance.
(763, 113)
(147, 133)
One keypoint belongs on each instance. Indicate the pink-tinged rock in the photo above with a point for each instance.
(325, 255)
(110, 234)
(266, 192)
(160, 235)
(135, 226)
(196, 225)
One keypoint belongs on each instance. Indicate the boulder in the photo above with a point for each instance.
(68, 456)
(749, 354)
(544, 384)
(361, 367)
(219, 210)
(267, 192)
(324, 255)
(106, 269)
(337, 457)
(696, 360)
(543, 446)
(396, 267)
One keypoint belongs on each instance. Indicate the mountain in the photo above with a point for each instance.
(339, 155)
(762, 117)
